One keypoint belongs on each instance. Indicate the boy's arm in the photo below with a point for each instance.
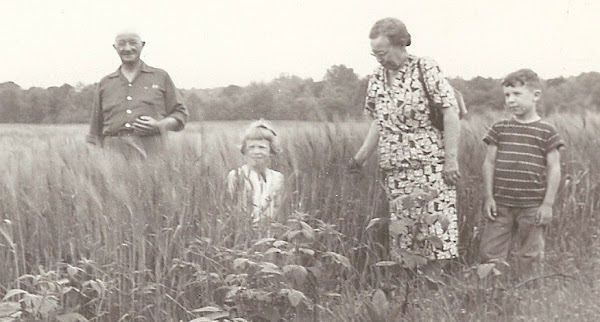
(544, 214)
(489, 205)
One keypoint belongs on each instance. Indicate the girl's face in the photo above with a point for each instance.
(258, 152)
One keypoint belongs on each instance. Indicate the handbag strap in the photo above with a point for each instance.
(422, 80)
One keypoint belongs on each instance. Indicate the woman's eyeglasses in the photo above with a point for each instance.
(379, 54)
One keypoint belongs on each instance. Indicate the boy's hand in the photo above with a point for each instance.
(489, 209)
(544, 215)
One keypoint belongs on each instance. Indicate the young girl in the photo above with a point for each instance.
(255, 186)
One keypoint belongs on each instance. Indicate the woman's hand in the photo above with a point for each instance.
(450, 173)
(354, 166)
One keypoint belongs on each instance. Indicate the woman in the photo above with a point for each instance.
(418, 161)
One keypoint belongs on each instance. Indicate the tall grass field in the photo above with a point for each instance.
(86, 235)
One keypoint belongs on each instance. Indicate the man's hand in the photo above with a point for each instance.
(146, 125)
(544, 214)
(489, 209)
(450, 173)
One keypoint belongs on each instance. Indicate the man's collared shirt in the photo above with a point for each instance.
(118, 102)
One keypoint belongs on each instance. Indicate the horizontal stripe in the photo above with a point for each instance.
(521, 144)
(525, 154)
(543, 166)
(519, 189)
(515, 171)
(516, 180)
(514, 205)
(512, 126)
(520, 197)
(524, 135)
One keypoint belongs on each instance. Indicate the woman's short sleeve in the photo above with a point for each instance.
(438, 87)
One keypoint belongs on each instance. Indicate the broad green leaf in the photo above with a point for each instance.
(207, 309)
(341, 259)
(217, 315)
(484, 269)
(72, 270)
(307, 251)
(239, 263)
(279, 243)
(444, 222)
(380, 302)
(273, 250)
(496, 272)
(294, 296)
(7, 235)
(373, 222)
(264, 241)
(269, 268)
(436, 242)
(9, 311)
(385, 263)
(71, 317)
(202, 319)
(12, 293)
(296, 272)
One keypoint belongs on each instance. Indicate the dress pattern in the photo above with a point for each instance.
(423, 217)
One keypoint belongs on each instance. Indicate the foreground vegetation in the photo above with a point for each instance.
(88, 236)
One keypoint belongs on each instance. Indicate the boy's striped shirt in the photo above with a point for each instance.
(520, 167)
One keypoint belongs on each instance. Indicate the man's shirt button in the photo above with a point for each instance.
(128, 111)
(129, 98)
(127, 125)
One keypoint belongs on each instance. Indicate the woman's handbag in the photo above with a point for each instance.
(435, 109)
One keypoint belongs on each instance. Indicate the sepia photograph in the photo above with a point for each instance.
(299, 160)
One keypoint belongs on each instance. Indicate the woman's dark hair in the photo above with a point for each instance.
(394, 29)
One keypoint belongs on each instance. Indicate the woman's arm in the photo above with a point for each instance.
(369, 145)
(451, 140)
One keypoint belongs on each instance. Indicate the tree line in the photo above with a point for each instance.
(338, 96)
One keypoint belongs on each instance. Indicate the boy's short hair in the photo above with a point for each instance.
(523, 77)
(261, 130)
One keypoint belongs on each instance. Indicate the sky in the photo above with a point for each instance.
(207, 44)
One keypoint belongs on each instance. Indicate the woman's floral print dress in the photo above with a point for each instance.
(423, 216)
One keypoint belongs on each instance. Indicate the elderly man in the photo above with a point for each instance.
(136, 105)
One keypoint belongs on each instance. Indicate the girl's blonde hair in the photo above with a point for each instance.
(261, 130)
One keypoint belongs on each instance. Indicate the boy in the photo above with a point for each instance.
(521, 175)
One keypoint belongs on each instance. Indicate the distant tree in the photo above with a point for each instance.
(35, 105)
(339, 95)
(194, 104)
(10, 106)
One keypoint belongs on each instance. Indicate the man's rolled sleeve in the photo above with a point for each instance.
(96, 120)
(174, 103)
